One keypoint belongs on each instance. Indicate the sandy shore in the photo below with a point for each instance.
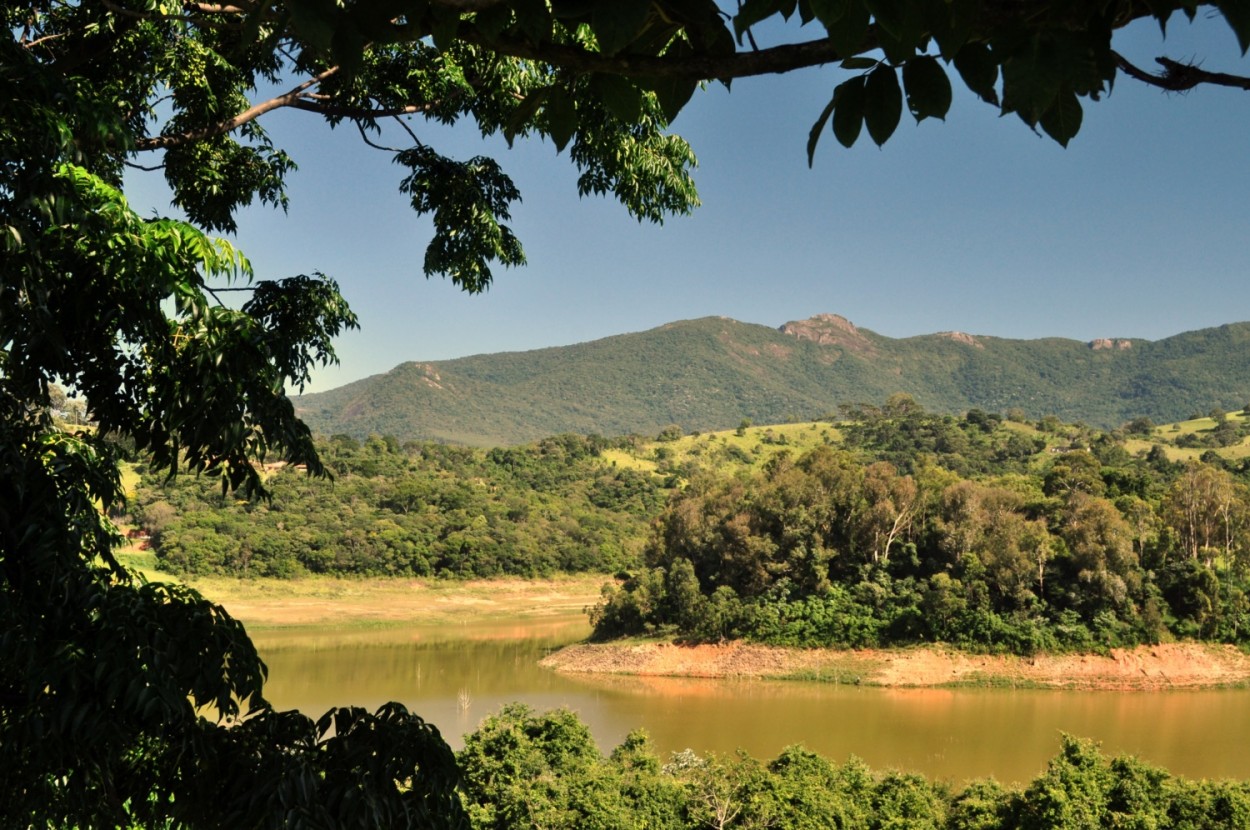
(1170, 666)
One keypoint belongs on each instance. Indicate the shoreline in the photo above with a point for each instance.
(1144, 668)
(319, 602)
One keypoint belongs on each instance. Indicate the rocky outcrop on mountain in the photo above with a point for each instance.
(830, 330)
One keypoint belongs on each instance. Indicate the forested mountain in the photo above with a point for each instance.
(712, 372)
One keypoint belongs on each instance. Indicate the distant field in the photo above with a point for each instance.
(321, 601)
(724, 451)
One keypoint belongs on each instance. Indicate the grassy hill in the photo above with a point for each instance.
(711, 373)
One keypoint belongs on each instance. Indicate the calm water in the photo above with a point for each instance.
(948, 734)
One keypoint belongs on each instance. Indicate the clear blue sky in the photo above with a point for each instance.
(1137, 229)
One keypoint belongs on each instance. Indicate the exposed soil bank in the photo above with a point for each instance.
(1170, 666)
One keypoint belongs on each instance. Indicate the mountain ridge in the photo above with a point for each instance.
(711, 372)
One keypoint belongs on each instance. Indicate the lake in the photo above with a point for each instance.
(454, 676)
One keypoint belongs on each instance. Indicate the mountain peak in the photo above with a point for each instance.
(828, 330)
(961, 337)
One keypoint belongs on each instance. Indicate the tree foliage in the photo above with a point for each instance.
(103, 673)
(524, 768)
(415, 510)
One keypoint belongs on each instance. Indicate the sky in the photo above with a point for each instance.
(975, 224)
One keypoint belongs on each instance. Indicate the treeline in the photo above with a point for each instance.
(927, 528)
(892, 526)
(412, 510)
(523, 769)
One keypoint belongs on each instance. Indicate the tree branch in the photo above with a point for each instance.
(31, 44)
(215, 8)
(365, 138)
(356, 113)
(199, 7)
(289, 99)
(772, 61)
(467, 5)
(1180, 77)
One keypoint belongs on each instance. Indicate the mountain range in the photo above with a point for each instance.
(713, 372)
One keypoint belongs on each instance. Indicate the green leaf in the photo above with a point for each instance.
(848, 113)
(314, 20)
(883, 103)
(561, 116)
(446, 25)
(849, 31)
(979, 69)
(813, 135)
(859, 63)
(671, 92)
(928, 88)
(890, 15)
(348, 46)
(618, 22)
(829, 12)
(750, 13)
(900, 27)
(533, 19)
(523, 115)
(952, 23)
(492, 20)
(1062, 120)
(622, 98)
(1237, 13)
(1032, 78)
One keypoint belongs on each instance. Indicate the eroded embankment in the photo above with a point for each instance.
(1168, 666)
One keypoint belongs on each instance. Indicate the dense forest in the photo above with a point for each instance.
(891, 526)
(972, 531)
(411, 510)
(524, 769)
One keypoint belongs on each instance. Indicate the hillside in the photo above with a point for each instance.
(713, 372)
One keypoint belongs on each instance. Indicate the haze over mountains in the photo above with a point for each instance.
(712, 372)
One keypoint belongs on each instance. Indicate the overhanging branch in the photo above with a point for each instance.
(335, 110)
(1180, 77)
(774, 60)
(289, 99)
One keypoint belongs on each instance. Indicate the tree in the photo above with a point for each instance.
(1207, 509)
(1100, 544)
(102, 671)
(890, 501)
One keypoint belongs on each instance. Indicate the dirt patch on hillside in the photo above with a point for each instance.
(1169, 666)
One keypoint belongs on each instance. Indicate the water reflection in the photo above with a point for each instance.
(456, 675)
